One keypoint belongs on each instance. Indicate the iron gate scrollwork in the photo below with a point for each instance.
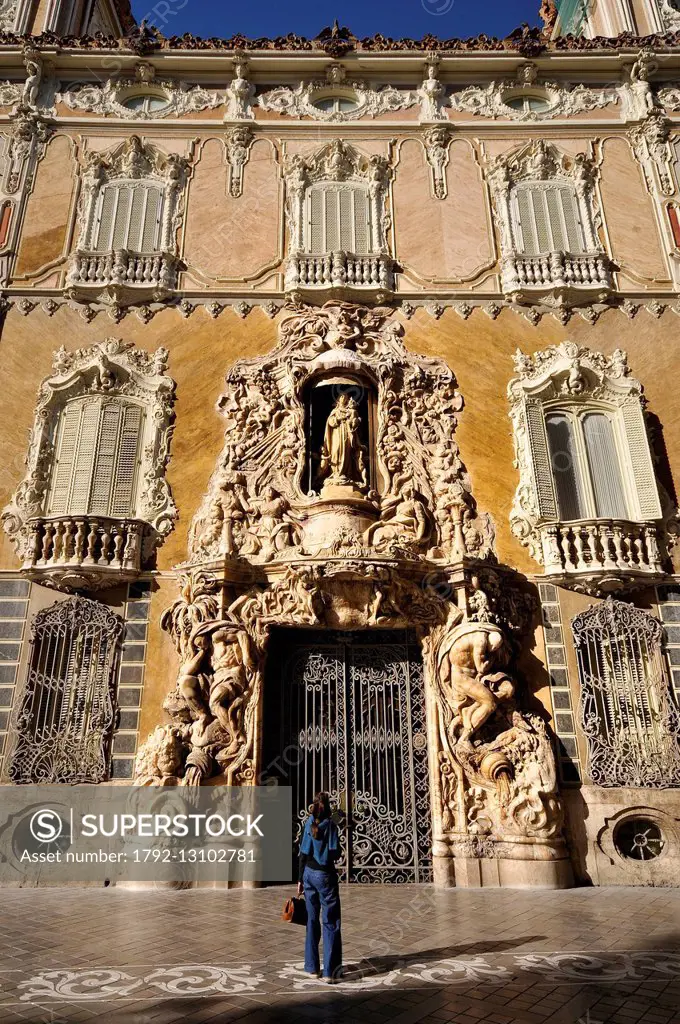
(66, 712)
(353, 707)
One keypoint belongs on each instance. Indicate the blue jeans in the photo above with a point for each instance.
(322, 894)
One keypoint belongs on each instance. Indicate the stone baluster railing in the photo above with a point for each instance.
(123, 269)
(339, 270)
(556, 270)
(62, 543)
(601, 546)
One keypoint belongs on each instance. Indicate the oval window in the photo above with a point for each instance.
(639, 839)
(147, 103)
(336, 104)
(528, 104)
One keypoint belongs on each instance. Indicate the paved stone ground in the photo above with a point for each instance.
(414, 956)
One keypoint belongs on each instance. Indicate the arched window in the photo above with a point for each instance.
(547, 215)
(587, 504)
(628, 717)
(66, 712)
(95, 502)
(130, 208)
(129, 216)
(336, 208)
(338, 218)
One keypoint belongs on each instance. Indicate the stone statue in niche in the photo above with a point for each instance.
(343, 457)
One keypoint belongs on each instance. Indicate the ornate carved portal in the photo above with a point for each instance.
(340, 502)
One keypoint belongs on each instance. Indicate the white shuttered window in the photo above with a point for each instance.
(547, 218)
(128, 216)
(338, 219)
(97, 456)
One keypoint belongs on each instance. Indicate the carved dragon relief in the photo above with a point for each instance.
(386, 534)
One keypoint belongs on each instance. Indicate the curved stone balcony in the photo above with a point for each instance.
(122, 275)
(565, 278)
(340, 273)
(84, 552)
(601, 554)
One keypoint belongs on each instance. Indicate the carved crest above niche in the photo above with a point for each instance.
(340, 441)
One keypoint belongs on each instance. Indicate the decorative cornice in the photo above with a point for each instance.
(524, 40)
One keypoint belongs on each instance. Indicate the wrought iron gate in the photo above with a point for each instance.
(350, 719)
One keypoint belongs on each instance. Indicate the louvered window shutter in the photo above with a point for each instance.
(641, 461)
(104, 228)
(122, 499)
(316, 220)
(605, 469)
(574, 241)
(338, 219)
(565, 467)
(549, 219)
(540, 458)
(332, 240)
(81, 476)
(129, 217)
(97, 459)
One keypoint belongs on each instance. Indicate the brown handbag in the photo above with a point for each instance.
(295, 911)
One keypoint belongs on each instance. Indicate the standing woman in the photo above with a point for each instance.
(318, 880)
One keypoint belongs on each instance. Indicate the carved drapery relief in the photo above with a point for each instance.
(111, 368)
(172, 98)
(650, 140)
(24, 144)
(437, 140)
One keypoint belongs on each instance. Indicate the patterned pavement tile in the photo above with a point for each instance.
(414, 955)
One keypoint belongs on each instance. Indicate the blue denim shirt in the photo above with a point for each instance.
(325, 849)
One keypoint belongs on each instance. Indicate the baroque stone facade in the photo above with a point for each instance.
(309, 427)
